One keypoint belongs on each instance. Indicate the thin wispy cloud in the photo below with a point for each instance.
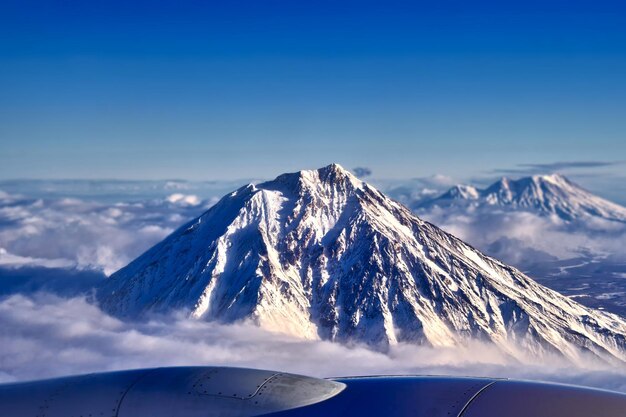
(573, 164)
(362, 172)
(541, 168)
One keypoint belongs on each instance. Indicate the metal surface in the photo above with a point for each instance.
(461, 397)
(397, 397)
(98, 395)
(531, 399)
(223, 392)
(234, 392)
(166, 392)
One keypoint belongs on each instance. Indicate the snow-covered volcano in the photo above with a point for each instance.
(321, 254)
(544, 194)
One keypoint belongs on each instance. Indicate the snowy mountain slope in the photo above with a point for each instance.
(545, 194)
(320, 254)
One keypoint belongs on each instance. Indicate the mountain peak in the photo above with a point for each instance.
(334, 167)
(336, 173)
(548, 194)
(554, 178)
(331, 176)
(321, 255)
(505, 181)
(462, 191)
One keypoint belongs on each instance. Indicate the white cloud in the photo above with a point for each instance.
(183, 199)
(483, 227)
(411, 191)
(15, 261)
(44, 335)
(177, 185)
(88, 234)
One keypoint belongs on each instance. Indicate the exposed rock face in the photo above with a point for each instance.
(320, 254)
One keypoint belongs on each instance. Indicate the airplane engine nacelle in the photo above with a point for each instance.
(237, 392)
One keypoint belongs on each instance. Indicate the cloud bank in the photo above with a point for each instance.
(45, 335)
(70, 232)
(585, 260)
(548, 235)
(63, 246)
(411, 191)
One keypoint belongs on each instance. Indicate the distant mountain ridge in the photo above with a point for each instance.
(553, 195)
(321, 254)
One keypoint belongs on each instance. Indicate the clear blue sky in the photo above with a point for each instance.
(224, 89)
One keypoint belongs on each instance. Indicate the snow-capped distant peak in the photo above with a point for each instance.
(463, 192)
(321, 254)
(552, 194)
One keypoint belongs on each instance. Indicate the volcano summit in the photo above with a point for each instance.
(321, 254)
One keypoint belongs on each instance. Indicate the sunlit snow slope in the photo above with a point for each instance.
(320, 254)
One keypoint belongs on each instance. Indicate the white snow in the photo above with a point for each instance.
(320, 254)
(551, 195)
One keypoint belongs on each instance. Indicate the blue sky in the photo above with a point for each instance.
(219, 90)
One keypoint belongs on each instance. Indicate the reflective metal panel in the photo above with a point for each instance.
(165, 392)
(532, 399)
(397, 397)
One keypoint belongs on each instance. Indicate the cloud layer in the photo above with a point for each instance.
(45, 335)
(550, 236)
(71, 232)
(63, 246)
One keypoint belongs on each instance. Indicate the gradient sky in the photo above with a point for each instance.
(236, 89)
